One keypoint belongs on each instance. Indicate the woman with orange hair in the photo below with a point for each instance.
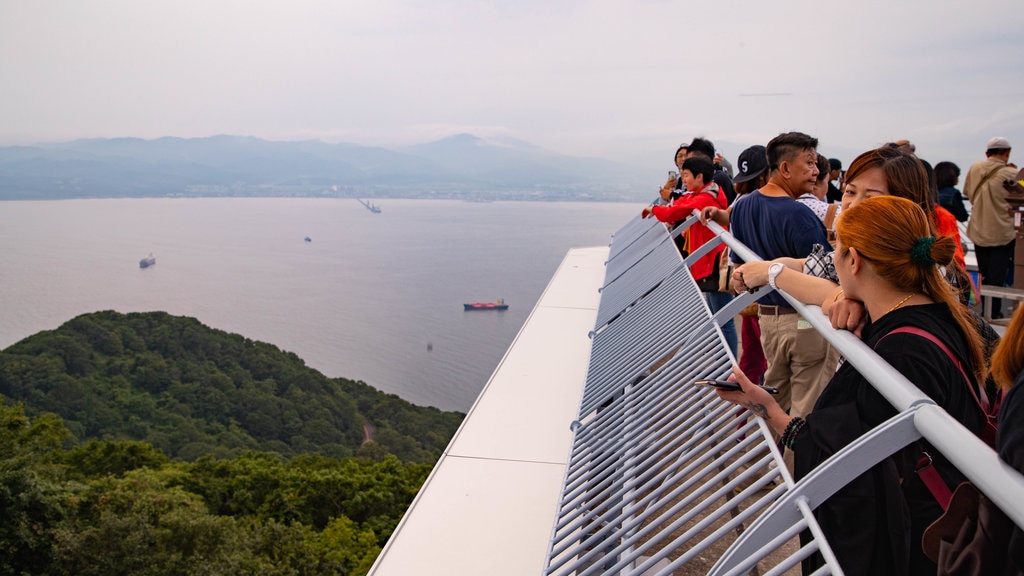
(892, 270)
(1008, 372)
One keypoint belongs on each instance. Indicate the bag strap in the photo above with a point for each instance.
(830, 215)
(724, 271)
(980, 397)
(986, 179)
(830, 218)
(932, 481)
(925, 471)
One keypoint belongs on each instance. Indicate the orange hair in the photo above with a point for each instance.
(895, 236)
(1008, 359)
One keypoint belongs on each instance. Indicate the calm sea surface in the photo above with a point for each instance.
(373, 297)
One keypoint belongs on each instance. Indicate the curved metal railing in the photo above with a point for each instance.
(665, 478)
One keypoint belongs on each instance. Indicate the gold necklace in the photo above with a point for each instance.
(900, 303)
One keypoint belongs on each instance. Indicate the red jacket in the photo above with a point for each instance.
(697, 234)
(945, 224)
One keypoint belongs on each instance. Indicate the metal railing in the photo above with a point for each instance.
(665, 478)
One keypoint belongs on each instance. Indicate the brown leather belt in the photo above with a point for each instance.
(769, 310)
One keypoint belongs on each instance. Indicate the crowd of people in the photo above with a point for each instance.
(878, 248)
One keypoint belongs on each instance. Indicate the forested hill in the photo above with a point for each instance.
(270, 471)
(193, 391)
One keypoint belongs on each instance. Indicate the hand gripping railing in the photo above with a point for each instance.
(665, 478)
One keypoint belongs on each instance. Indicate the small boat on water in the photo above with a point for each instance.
(499, 305)
(147, 261)
(308, 239)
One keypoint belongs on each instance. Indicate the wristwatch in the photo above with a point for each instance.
(773, 272)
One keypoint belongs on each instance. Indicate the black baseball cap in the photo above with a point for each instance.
(751, 163)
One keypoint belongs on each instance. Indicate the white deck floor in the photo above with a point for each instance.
(489, 503)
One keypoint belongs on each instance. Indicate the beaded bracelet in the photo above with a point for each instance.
(792, 430)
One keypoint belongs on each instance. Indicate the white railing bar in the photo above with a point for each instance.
(979, 463)
(775, 544)
(705, 454)
(826, 479)
(705, 522)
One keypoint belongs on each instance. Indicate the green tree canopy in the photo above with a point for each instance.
(151, 444)
(190, 390)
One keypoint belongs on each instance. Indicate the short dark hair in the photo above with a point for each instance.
(786, 146)
(699, 166)
(702, 146)
(681, 147)
(835, 164)
(946, 174)
(996, 151)
(823, 167)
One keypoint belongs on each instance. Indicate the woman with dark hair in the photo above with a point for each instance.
(903, 174)
(885, 171)
(875, 523)
(945, 221)
(673, 187)
(947, 175)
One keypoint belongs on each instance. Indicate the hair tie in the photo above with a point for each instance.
(921, 254)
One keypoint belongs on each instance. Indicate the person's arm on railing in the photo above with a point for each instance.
(844, 313)
(807, 289)
(716, 215)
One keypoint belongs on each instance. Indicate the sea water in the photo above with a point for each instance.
(371, 297)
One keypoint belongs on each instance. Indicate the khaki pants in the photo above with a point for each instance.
(800, 361)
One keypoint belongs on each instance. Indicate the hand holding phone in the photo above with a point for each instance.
(728, 385)
(720, 384)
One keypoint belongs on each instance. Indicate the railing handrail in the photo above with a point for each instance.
(975, 459)
(603, 466)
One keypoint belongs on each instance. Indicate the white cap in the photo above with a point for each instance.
(998, 143)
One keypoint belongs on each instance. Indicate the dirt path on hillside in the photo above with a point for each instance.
(368, 431)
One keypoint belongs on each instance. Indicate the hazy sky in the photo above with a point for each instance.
(616, 79)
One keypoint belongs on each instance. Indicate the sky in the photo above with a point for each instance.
(616, 79)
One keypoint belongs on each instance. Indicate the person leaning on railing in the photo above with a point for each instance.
(875, 523)
(885, 171)
(1008, 372)
(697, 173)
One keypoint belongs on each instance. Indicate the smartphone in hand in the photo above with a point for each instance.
(731, 386)
(720, 384)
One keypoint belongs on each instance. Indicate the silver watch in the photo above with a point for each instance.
(773, 272)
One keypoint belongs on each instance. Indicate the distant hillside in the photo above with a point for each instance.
(461, 166)
(192, 391)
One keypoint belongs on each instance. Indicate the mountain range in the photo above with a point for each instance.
(460, 166)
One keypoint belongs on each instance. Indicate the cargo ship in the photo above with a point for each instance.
(370, 206)
(147, 261)
(499, 305)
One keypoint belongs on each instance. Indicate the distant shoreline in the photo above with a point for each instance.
(468, 197)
